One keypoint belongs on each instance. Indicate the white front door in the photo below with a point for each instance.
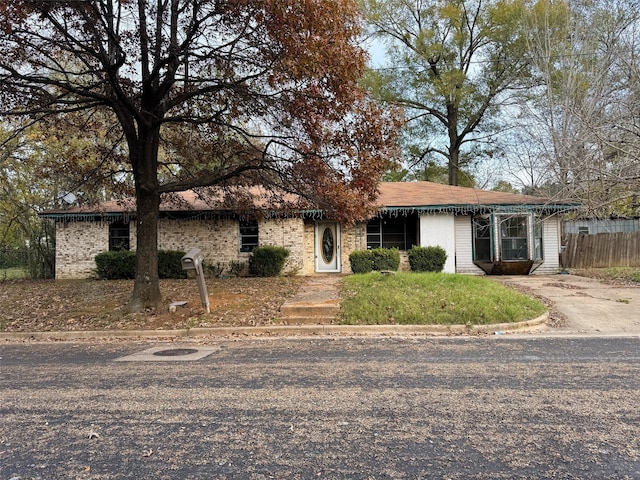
(327, 247)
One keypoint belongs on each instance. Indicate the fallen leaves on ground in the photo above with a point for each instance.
(619, 276)
(85, 305)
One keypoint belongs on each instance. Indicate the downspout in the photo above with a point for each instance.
(496, 251)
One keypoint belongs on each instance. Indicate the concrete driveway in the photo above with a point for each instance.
(589, 306)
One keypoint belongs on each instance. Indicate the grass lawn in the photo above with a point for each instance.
(432, 299)
(12, 273)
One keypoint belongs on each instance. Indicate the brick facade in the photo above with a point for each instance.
(444, 212)
(353, 238)
(77, 243)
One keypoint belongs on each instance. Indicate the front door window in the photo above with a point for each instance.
(328, 245)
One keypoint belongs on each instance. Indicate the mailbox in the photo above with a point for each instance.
(192, 260)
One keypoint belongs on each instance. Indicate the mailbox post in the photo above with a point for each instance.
(193, 261)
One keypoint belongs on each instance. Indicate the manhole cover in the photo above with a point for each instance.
(164, 354)
(175, 352)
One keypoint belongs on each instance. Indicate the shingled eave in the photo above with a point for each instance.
(395, 198)
(471, 209)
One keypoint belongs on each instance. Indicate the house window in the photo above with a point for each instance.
(513, 238)
(583, 230)
(248, 235)
(118, 236)
(482, 238)
(508, 237)
(392, 232)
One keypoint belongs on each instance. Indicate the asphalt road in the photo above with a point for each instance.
(343, 408)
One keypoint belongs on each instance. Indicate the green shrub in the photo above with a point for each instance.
(214, 270)
(170, 264)
(267, 261)
(116, 265)
(122, 264)
(236, 267)
(385, 259)
(361, 261)
(364, 261)
(13, 257)
(427, 259)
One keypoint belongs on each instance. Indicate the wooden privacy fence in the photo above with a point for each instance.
(601, 250)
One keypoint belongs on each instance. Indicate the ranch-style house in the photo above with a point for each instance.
(483, 232)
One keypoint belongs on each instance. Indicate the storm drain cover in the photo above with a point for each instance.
(169, 354)
(175, 352)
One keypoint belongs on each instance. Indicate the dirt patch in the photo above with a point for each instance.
(83, 305)
(618, 276)
(556, 318)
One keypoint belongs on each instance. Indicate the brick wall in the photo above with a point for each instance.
(288, 233)
(219, 240)
(353, 238)
(77, 243)
(309, 259)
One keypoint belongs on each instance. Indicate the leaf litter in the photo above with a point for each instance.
(86, 305)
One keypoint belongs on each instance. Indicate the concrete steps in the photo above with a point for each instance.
(317, 302)
(310, 313)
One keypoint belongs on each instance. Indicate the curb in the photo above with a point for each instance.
(285, 331)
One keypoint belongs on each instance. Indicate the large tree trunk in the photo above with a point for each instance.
(454, 166)
(454, 143)
(146, 289)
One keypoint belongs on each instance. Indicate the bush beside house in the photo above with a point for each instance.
(116, 265)
(170, 264)
(427, 259)
(376, 259)
(267, 261)
(122, 264)
(361, 261)
(421, 259)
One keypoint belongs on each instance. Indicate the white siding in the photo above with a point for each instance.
(439, 230)
(550, 246)
(464, 249)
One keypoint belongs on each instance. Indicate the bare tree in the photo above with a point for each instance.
(577, 115)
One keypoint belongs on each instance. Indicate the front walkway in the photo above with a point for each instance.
(317, 301)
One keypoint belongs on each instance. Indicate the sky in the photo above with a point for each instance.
(376, 51)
